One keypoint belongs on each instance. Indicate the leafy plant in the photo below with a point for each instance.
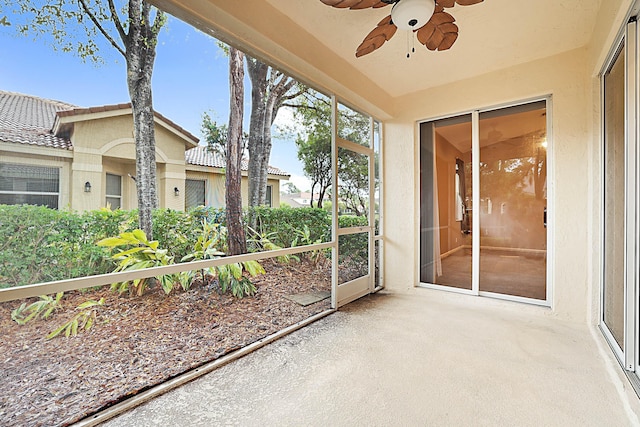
(82, 320)
(210, 243)
(208, 246)
(230, 277)
(42, 308)
(261, 241)
(303, 238)
(141, 253)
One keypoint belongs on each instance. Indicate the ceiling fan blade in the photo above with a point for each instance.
(450, 31)
(355, 4)
(451, 3)
(365, 4)
(446, 3)
(440, 33)
(468, 2)
(377, 37)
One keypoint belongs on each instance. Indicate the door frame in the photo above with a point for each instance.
(550, 231)
(628, 40)
(352, 290)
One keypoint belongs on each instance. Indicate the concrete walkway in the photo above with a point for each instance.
(425, 358)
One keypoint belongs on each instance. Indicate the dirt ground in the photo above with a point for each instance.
(138, 342)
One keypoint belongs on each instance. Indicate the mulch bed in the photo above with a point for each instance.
(138, 342)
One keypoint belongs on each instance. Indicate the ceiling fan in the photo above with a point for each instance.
(433, 26)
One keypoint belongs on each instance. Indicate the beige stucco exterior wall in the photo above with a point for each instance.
(40, 156)
(566, 79)
(103, 143)
(215, 186)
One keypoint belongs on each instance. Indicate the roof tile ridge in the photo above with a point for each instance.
(61, 104)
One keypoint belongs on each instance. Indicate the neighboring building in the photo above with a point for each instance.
(301, 199)
(60, 155)
(204, 166)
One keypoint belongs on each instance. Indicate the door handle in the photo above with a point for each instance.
(544, 217)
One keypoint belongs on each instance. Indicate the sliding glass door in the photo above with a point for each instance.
(513, 201)
(614, 200)
(620, 200)
(483, 203)
(446, 208)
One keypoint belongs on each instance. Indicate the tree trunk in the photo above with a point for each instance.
(313, 187)
(321, 195)
(140, 56)
(269, 88)
(233, 196)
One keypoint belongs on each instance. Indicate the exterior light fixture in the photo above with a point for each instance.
(87, 187)
(412, 14)
(176, 191)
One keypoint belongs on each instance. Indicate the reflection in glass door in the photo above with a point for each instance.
(446, 208)
(513, 201)
(483, 203)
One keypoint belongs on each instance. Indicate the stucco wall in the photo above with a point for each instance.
(104, 144)
(40, 156)
(215, 186)
(566, 78)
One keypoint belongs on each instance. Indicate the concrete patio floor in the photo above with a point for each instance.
(425, 358)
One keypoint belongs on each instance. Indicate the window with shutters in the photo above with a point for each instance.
(195, 190)
(31, 185)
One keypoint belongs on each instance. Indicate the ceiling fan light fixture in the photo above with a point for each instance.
(412, 14)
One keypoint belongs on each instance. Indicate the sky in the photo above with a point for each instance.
(190, 78)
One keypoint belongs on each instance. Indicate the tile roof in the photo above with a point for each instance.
(201, 156)
(29, 120)
(115, 107)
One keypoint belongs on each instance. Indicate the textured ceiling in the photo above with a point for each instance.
(493, 35)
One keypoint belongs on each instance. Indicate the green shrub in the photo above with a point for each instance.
(281, 224)
(136, 252)
(346, 221)
(40, 245)
(175, 231)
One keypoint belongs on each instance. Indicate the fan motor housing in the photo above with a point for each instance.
(412, 14)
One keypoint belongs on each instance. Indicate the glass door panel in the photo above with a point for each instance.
(446, 202)
(355, 230)
(353, 188)
(354, 126)
(353, 258)
(513, 201)
(614, 199)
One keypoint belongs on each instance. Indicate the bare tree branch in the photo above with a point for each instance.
(100, 28)
(116, 21)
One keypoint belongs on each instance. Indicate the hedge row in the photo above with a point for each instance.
(38, 244)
